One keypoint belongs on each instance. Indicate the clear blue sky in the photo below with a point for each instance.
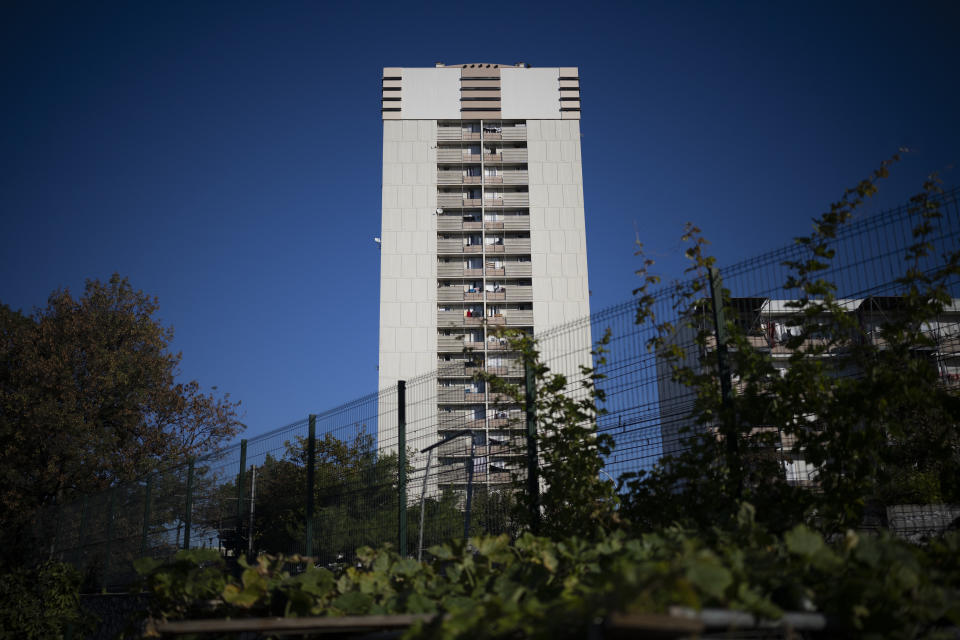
(226, 156)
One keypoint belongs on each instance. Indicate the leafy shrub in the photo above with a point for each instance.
(41, 603)
(538, 587)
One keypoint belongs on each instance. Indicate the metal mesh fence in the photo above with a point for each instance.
(421, 463)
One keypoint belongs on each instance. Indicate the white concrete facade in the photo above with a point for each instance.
(408, 248)
(529, 94)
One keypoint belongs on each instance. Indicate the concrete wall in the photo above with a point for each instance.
(558, 238)
(430, 94)
(408, 262)
(530, 94)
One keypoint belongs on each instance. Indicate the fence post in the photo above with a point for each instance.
(240, 487)
(311, 481)
(81, 535)
(533, 460)
(402, 468)
(723, 371)
(469, 505)
(146, 517)
(188, 521)
(106, 558)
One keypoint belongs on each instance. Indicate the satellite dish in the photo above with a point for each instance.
(439, 210)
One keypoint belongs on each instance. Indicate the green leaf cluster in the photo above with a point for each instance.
(42, 603)
(537, 587)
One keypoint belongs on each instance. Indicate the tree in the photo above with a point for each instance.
(355, 499)
(89, 398)
(863, 405)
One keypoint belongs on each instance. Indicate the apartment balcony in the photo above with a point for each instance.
(516, 133)
(449, 223)
(497, 345)
(508, 371)
(457, 474)
(506, 420)
(473, 248)
(456, 177)
(457, 344)
(494, 248)
(517, 318)
(494, 296)
(516, 199)
(518, 270)
(458, 448)
(493, 179)
(515, 177)
(450, 245)
(456, 420)
(512, 447)
(450, 199)
(496, 321)
(453, 474)
(457, 318)
(447, 134)
(452, 270)
(493, 225)
(449, 294)
(456, 156)
(449, 318)
(457, 369)
(459, 395)
(473, 295)
(517, 245)
(493, 271)
(516, 223)
(519, 294)
(514, 155)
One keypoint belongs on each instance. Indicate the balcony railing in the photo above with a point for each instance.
(456, 344)
(450, 199)
(514, 155)
(516, 223)
(518, 269)
(456, 133)
(516, 199)
(456, 155)
(450, 246)
(515, 177)
(450, 294)
(514, 133)
(452, 270)
(518, 318)
(519, 294)
(517, 245)
(458, 395)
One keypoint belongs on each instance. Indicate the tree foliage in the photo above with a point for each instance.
(89, 397)
(861, 404)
